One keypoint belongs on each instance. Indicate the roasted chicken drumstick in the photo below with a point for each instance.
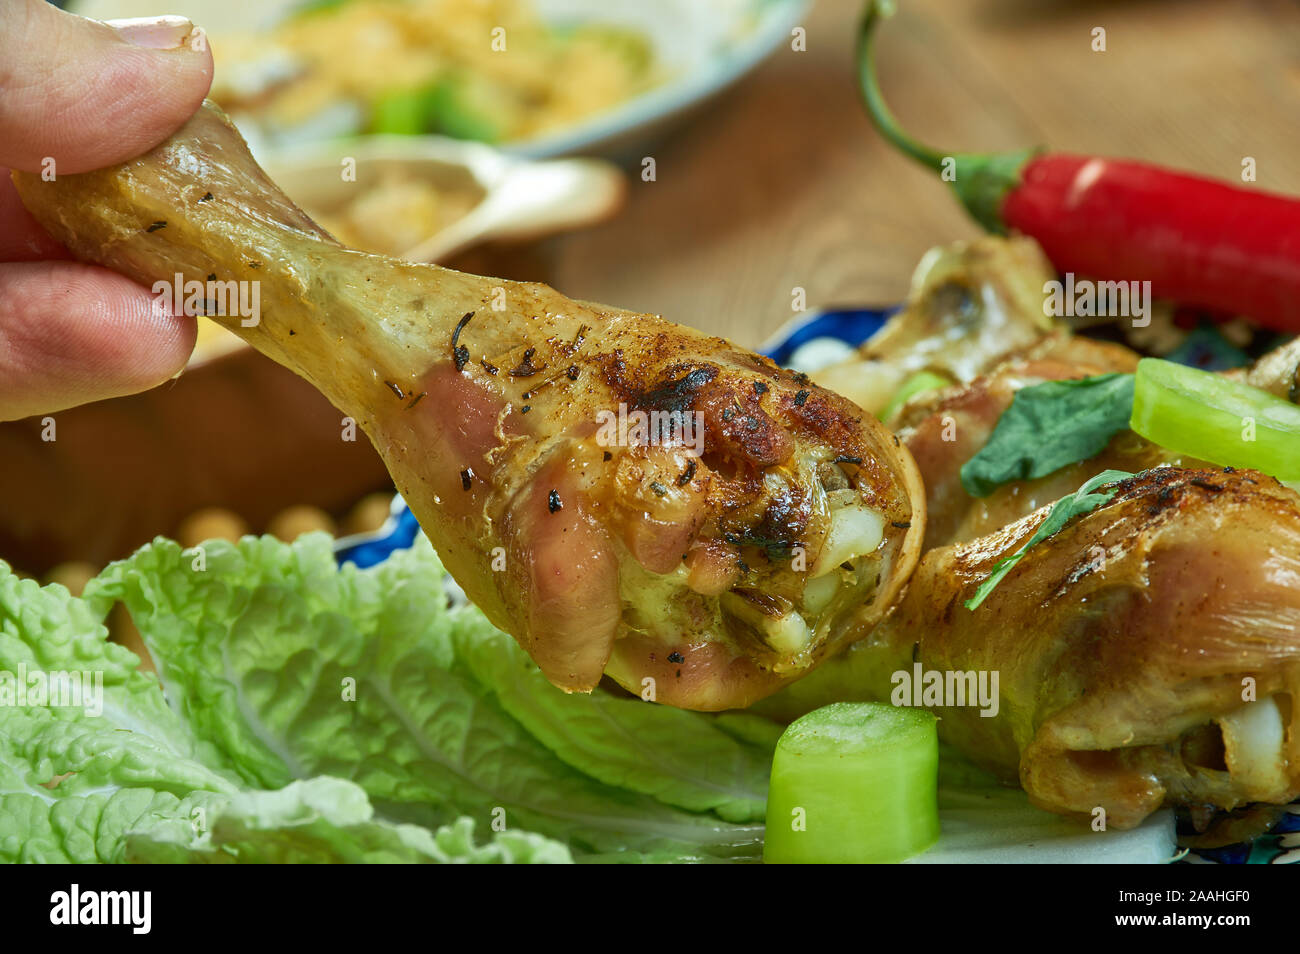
(1147, 654)
(622, 494)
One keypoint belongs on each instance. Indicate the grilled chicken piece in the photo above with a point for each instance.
(1125, 642)
(1148, 653)
(754, 525)
(971, 305)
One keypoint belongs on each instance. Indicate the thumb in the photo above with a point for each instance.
(87, 94)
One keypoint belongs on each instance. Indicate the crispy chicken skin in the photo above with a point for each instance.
(721, 562)
(1128, 648)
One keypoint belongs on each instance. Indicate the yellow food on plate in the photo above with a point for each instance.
(490, 70)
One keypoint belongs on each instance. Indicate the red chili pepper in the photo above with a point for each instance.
(1198, 241)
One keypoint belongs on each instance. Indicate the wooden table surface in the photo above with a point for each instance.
(783, 183)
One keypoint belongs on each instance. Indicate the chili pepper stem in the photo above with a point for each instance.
(869, 85)
(980, 181)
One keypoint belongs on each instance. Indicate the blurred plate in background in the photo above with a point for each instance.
(697, 48)
(704, 45)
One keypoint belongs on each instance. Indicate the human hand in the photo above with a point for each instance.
(77, 94)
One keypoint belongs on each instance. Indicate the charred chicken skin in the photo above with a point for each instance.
(622, 494)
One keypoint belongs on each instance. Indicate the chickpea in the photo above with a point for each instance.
(293, 522)
(211, 523)
(74, 574)
(369, 514)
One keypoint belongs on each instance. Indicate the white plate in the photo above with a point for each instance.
(999, 826)
(703, 46)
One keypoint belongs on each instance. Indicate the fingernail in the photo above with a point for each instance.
(154, 33)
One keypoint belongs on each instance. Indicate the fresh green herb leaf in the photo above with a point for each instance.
(1049, 426)
(1084, 500)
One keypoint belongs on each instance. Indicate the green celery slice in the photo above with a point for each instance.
(918, 383)
(854, 783)
(1214, 418)
(402, 112)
